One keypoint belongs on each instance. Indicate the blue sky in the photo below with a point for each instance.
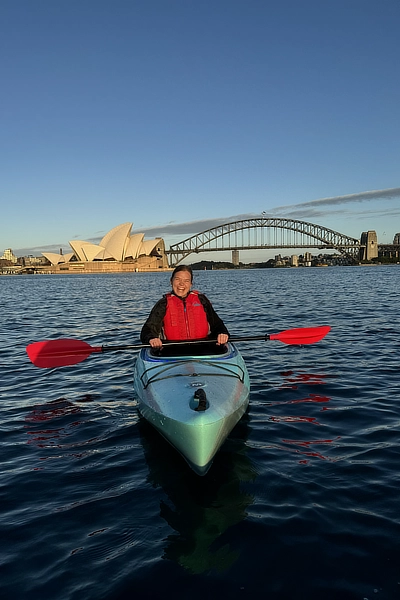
(180, 114)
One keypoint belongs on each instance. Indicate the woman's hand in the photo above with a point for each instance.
(155, 343)
(222, 339)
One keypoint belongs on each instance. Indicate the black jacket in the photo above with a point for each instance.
(154, 324)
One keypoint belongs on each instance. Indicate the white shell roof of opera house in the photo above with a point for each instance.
(118, 244)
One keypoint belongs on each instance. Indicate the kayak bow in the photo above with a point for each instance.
(193, 400)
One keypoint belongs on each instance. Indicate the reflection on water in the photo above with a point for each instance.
(292, 380)
(51, 436)
(200, 509)
(294, 419)
(52, 410)
(296, 381)
(308, 444)
(58, 425)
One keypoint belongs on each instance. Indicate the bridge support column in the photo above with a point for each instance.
(370, 241)
(235, 257)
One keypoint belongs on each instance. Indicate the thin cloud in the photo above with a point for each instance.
(317, 209)
(37, 250)
(386, 194)
(311, 214)
(395, 212)
(191, 227)
(307, 214)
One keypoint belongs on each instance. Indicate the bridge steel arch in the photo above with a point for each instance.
(261, 234)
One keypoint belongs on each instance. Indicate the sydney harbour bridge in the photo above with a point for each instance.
(264, 233)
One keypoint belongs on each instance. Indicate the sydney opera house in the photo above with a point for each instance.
(118, 251)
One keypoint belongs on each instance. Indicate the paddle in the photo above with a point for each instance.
(65, 352)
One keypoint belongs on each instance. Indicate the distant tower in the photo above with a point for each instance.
(235, 257)
(369, 239)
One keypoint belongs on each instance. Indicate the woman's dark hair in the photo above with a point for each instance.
(179, 268)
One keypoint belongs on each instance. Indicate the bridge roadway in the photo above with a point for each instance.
(264, 233)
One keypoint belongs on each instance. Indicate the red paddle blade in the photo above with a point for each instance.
(304, 335)
(59, 353)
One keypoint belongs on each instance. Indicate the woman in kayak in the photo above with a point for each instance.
(183, 314)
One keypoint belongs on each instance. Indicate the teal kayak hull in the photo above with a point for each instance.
(194, 401)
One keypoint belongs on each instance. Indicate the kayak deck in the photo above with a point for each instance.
(193, 400)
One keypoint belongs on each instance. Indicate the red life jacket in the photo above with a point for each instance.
(185, 319)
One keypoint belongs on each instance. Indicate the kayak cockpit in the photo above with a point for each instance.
(190, 349)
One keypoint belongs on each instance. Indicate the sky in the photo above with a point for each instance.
(179, 115)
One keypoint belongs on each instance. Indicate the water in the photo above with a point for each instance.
(302, 501)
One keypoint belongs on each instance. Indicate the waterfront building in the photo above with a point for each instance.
(9, 255)
(117, 251)
(307, 261)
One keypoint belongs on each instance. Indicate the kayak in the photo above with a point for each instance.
(193, 394)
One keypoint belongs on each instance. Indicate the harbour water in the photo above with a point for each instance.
(302, 501)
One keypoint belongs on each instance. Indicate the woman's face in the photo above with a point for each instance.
(181, 283)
